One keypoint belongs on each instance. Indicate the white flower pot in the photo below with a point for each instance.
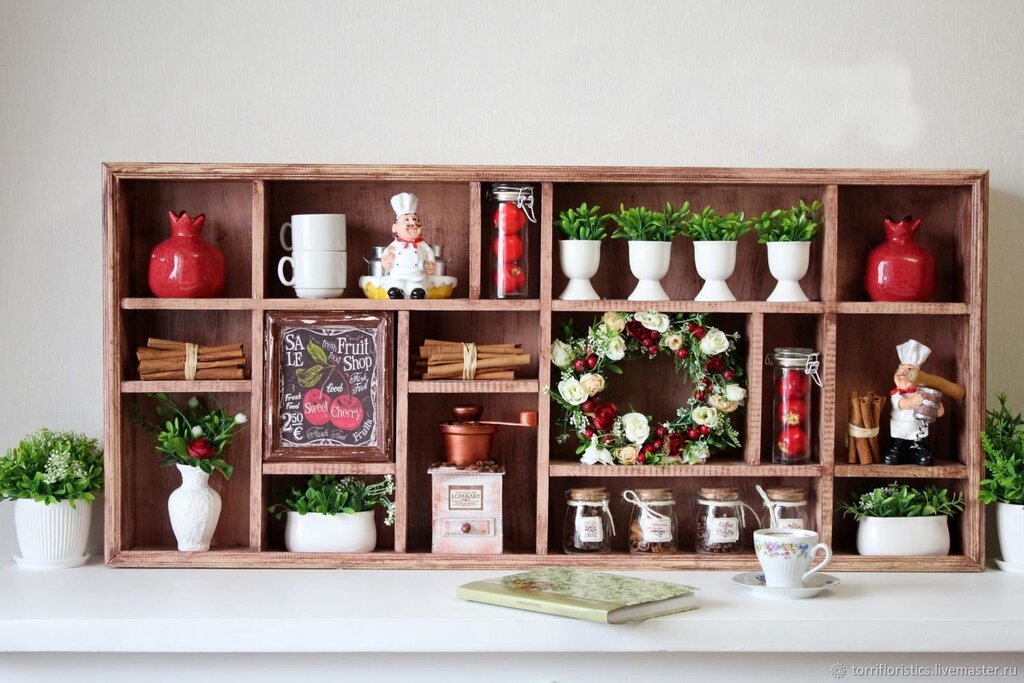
(1010, 527)
(342, 533)
(903, 536)
(648, 261)
(194, 509)
(715, 262)
(52, 536)
(580, 260)
(788, 263)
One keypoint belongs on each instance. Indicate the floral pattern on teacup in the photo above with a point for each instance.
(785, 549)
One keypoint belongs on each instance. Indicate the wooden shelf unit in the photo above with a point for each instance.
(245, 205)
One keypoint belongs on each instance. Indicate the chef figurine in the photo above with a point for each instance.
(909, 434)
(408, 259)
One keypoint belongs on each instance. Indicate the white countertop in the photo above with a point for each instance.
(98, 609)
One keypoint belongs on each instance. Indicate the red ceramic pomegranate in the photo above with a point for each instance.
(900, 269)
(184, 265)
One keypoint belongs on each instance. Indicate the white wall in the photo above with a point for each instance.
(875, 84)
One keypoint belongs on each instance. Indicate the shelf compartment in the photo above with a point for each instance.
(183, 387)
(942, 469)
(342, 468)
(474, 386)
(713, 468)
(479, 327)
(155, 304)
(689, 306)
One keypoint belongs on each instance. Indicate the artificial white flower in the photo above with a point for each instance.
(615, 349)
(572, 391)
(652, 320)
(561, 354)
(714, 342)
(673, 341)
(627, 455)
(722, 404)
(635, 427)
(197, 432)
(592, 383)
(193, 403)
(705, 415)
(615, 321)
(697, 452)
(595, 454)
(241, 419)
(735, 393)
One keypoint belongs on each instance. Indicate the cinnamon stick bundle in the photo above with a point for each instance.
(166, 359)
(865, 413)
(439, 360)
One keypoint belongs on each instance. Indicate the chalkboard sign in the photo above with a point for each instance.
(330, 387)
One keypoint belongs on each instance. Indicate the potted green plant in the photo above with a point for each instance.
(579, 250)
(193, 439)
(52, 477)
(788, 234)
(715, 237)
(650, 235)
(1003, 444)
(902, 520)
(331, 515)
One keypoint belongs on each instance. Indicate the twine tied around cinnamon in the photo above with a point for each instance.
(191, 360)
(861, 432)
(468, 360)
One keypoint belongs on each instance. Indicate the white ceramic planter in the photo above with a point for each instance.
(903, 536)
(342, 533)
(52, 536)
(788, 263)
(648, 261)
(1010, 527)
(580, 260)
(715, 262)
(194, 509)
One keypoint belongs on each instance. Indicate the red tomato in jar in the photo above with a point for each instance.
(509, 218)
(507, 248)
(792, 442)
(793, 384)
(792, 411)
(511, 279)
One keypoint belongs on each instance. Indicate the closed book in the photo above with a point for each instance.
(594, 596)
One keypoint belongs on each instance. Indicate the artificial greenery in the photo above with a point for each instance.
(640, 224)
(49, 467)
(1003, 444)
(901, 500)
(711, 226)
(327, 495)
(584, 223)
(795, 224)
(192, 436)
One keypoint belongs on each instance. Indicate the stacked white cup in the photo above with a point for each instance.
(319, 255)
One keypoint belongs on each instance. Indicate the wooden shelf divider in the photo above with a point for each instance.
(942, 469)
(199, 386)
(474, 386)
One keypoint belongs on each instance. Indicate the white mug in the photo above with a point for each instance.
(315, 232)
(315, 274)
(785, 555)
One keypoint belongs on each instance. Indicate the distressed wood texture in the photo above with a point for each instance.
(246, 205)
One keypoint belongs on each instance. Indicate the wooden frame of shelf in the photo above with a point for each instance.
(856, 337)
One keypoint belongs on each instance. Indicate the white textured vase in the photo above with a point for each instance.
(788, 263)
(342, 533)
(715, 262)
(1010, 527)
(648, 261)
(903, 536)
(52, 535)
(194, 509)
(580, 260)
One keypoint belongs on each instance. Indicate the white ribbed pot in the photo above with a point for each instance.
(314, 532)
(52, 536)
(194, 509)
(788, 263)
(903, 536)
(580, 260)
(1010, 527)
(648, 261)
(715, 262)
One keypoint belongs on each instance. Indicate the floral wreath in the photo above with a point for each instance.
(705, 354)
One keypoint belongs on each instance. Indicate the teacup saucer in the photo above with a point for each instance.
(1013, 567)
(815, 584)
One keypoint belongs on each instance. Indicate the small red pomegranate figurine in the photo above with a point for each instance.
(185, 266)
(900, 269)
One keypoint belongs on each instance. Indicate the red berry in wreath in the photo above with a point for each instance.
(657, 444)
(641, 459)
(699, 333)
(509, 218)
(705, 430)
(681, 354)
(654, 335)
(792, 411)
(507, 248)
(579, 365)
(591, 361)
(699, 396)
(792, 442)
(728, 374)
(660, 431)
(693, 433)
(793, 384)
(588, 433)
(347, 412)
(587, 406)
(609, 438)
(316, 407)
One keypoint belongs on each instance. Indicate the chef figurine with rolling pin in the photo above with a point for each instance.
(916, 403)
(408, 259)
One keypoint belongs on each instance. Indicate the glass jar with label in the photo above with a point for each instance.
(653, 525)
(510, 240)
(794, 370)
(787, 507)
(721, 518)
(588, 521)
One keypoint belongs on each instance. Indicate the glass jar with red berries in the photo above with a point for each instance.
(793, 434)
(510, 245)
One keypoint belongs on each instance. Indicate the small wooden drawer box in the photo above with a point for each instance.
(467, 510)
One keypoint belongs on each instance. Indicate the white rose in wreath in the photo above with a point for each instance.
(705, 415)
(714, 342)
(592, 383)
(616, 349)
(627, 455)
(595, 454)
(635, 427)
(572, 391)
(735, 393)
(616, 322)
(652, 320)
(561, 354)
(722, 404)
(673, 341)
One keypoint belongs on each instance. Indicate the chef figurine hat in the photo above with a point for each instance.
(404, 203)
(913, 352)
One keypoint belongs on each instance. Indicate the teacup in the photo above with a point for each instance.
(315, 232)
(315, 274)
(785, 555)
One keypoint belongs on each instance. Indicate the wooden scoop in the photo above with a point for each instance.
(472, 413)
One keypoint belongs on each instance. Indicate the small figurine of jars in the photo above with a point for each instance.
(510, 272)
(793, 433)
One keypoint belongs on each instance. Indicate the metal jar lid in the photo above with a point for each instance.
(723, 493)
(520, 195)
(793, 357)
(597, 494)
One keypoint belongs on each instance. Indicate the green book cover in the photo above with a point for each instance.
(594, 596)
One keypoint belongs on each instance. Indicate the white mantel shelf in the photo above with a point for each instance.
(97, 609)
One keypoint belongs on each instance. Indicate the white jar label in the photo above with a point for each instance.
(656, 530)
(589, 530)
(724, 530)
(791, 523)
